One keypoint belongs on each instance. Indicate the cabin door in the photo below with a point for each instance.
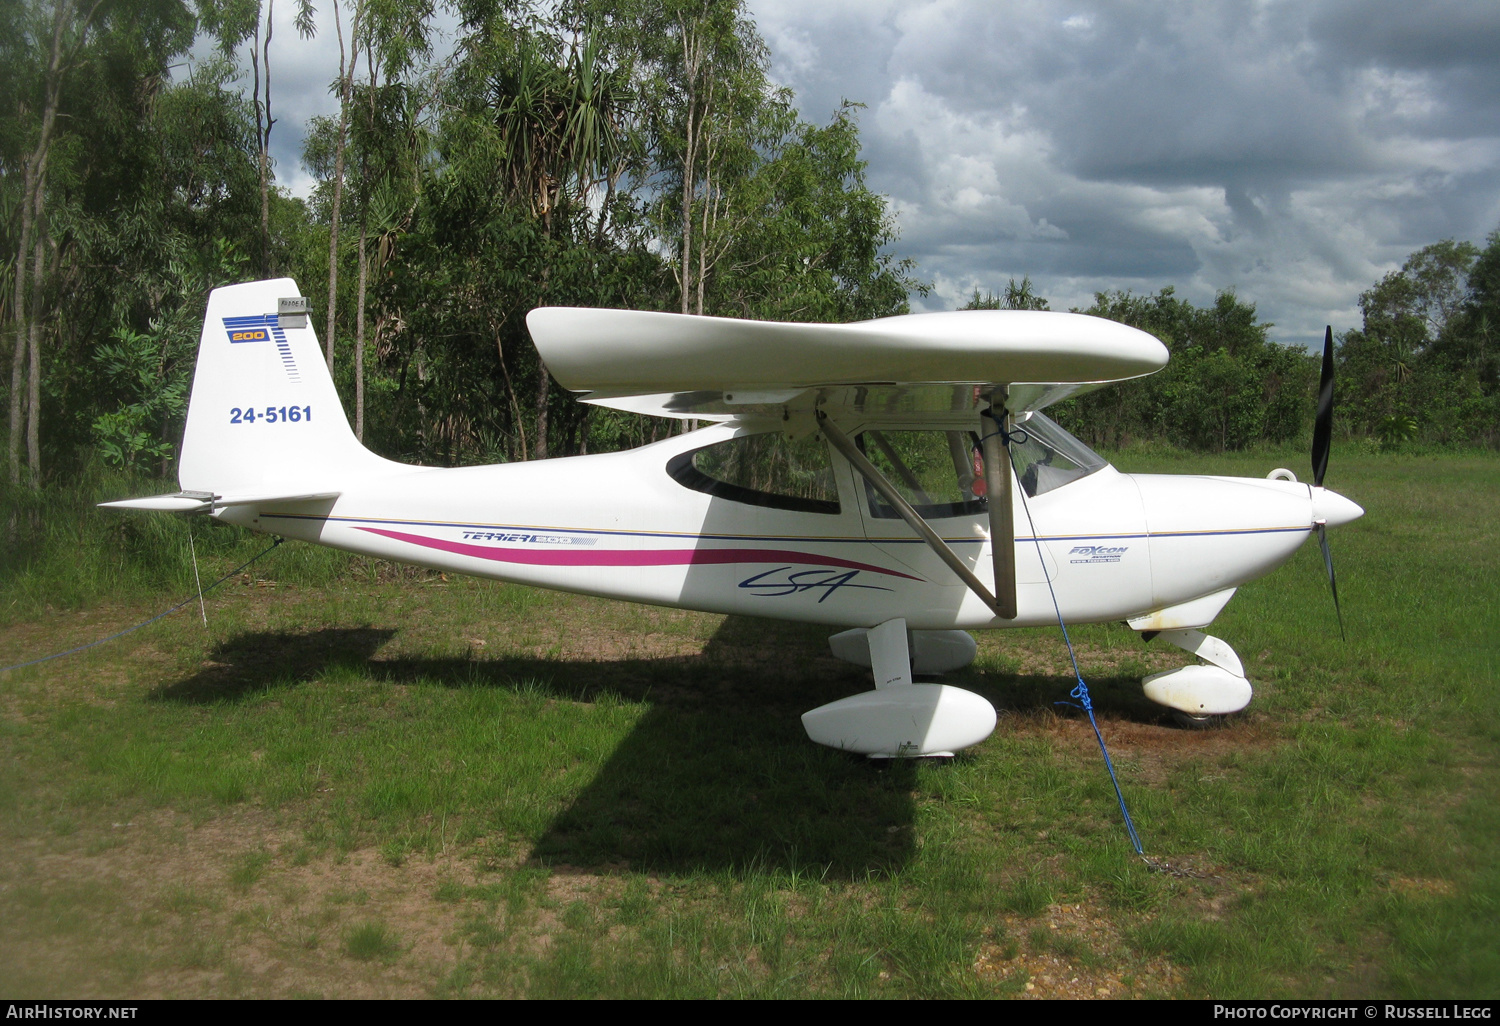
(937, 471)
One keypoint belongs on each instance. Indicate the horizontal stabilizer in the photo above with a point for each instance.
(176, 502)
(203, 502)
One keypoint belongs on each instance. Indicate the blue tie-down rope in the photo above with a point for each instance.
(143, 623)
(1081, 692)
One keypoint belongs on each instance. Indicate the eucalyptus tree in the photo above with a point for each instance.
(348, 61)
(801, 236)
(395, 45)
(765, 215)
(45, 47)
(231, 23)
(704, 88)
(71, 60)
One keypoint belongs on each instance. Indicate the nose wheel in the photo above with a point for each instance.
(1202, 694)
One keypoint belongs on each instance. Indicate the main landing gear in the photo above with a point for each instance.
(904, 720)
(900, 719)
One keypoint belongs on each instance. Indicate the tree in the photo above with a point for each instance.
(1422, 354)
(344, 86)
(705, 93)
(231, 22)
(397, 31)
(1015, 297)
(75, 58)
(1226, 385)
(799, 235)
(1468, 343)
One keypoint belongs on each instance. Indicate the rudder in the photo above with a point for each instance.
(264, 416)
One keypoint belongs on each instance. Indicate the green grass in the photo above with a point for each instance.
(380, 783)
(371, 941)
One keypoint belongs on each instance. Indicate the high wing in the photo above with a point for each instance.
(1003, 364)
(679, 365)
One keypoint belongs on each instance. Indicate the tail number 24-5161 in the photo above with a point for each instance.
(270, 414)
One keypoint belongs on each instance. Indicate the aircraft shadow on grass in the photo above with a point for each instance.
(716, 774)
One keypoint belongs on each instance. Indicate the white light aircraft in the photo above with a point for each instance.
(895, 479)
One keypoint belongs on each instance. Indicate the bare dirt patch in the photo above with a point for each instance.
(1049, 656)
(1072, 951)
(167, 908)
(1422, 888)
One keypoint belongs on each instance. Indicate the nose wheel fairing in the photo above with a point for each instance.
(1215, 687)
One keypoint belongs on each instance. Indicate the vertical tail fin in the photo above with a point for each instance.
(264, 417)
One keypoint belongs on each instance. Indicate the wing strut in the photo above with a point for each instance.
(997, 484)
(888, 492)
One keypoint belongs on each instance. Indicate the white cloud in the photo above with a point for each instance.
(1293, 152)
(303, 71)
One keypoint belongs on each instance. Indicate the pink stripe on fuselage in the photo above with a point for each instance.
(632, 557)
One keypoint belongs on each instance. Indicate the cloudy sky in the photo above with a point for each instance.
(1292, 150)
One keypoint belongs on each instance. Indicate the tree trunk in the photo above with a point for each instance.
(543, 397)
(692, 61)
(18, 357)
(265, 151)
(687, 217)
(33, 198)
(346, 84)
(708, 202)
(34, 385)
(510, 394)
(364, 260)
(359, 339)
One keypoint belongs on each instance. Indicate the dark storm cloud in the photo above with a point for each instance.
(1187, 93)
(1454, 44)
(1410, 35)
(1294, 151)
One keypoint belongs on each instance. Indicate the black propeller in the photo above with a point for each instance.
(1323, 422)
(1322, 441)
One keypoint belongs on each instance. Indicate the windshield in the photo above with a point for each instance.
(1047, 457)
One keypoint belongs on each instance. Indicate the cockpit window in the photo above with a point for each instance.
(1047, 457)
(938, 472)
(941, 473)
(770, 469)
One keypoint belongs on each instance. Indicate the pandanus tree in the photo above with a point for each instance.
(558, 125)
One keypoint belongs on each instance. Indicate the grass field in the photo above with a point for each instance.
(364, 782)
